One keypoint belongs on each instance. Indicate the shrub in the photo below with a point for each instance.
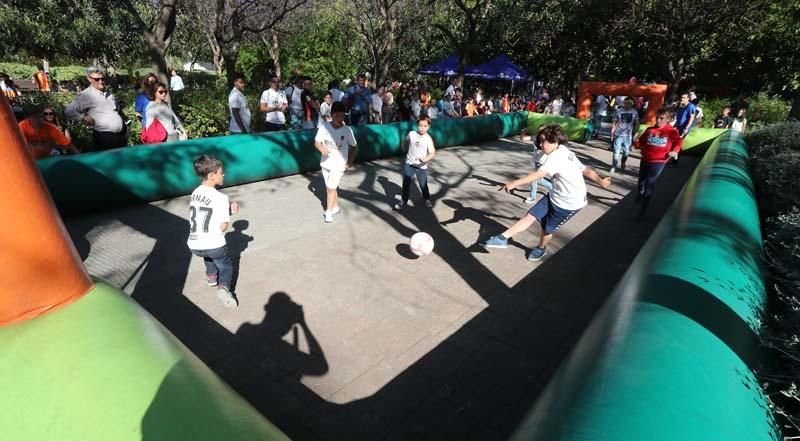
(764, 110)
(775, 162)
(18, 71)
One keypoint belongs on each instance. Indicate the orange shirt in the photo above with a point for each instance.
(505, 105)
(471, 109)
(41, 81)
(424, 98)
(40, 141)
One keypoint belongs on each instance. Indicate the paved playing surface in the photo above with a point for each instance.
(342, 335)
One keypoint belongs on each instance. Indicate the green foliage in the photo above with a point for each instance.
(204, 113)
(255, 64)
(776, 172)
(765, 110)
(18, 71)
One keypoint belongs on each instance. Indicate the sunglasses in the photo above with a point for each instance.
(161, 92)
(48, 113)
(97, 79)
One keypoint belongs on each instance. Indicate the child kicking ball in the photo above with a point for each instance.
(564, 200)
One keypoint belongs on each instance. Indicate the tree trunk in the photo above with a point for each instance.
(274, 47)
(794, 113)
(231, 55)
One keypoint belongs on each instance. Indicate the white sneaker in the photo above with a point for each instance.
(328, 217)
(613, 170)
(336, 210)
(226, 297)
(530, 201)
(398, 206)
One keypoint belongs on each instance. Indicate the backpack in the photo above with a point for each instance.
(154, 134)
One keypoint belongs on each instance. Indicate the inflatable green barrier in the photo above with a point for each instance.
(102, 368)
(671, 355)
(115, 178)
(575, 129)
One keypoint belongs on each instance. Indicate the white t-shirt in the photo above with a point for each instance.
(539, 158)
(626, 119)
(566, 172)
(556, 105)
(602, 105)
(176, 83)
(451, 90)
(237, 100)
(274, 98)
(418, 146)
(377, 103)
(337, 95)
(294, 101)
(338, 141)
(433, 112)
(208, 209)
(324, 110)
(415, 108)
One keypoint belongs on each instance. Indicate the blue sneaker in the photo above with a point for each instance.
(537, 254)
(496, 242)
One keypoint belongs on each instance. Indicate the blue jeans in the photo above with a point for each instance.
(422, 179)
(535, 185)
(622, 148)
(648, 174)
(358, 118)
(296, 119)
(218, 263)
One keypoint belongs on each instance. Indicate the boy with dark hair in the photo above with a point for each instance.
(566, 198)
(624, 126)
(209, 215)
(337, 145)
(659, 143)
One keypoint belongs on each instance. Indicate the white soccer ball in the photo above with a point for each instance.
(421, 244)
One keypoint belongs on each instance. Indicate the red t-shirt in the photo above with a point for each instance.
(656, 142)
(41, 81)
(43, 139)
(531, 106)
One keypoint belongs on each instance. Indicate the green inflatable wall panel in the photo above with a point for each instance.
(102, 368)
(671, 354)
(575, 128)
(104, 180)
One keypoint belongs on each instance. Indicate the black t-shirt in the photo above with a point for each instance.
(722, 122)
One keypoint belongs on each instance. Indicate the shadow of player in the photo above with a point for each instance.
(487, 225)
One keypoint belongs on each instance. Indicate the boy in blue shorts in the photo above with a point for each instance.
(564, 200)
(209, 216)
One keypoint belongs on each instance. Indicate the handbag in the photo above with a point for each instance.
(154, 134)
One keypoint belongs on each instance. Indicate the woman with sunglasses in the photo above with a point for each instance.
(50, 117)
(159, 110)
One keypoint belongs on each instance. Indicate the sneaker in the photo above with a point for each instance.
(226, 297)
(613, 170)
(211, 280)
(336, 210)
(428, 203)
(328, 217)
(496, 242)
(530, 200)
(536, 254)
(398, 206)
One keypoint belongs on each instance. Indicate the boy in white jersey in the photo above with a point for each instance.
(624, 127)
(420, 150)
(209, 215)
(566, 198)
(337, 145)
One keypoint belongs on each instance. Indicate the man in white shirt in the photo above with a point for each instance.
(336, 93)
(566, 198)
(273, 103)
(294, 97)
(376, 106)
(451, 89)
(337, 145)
(240, 112)
(96, 107)
(176, 86)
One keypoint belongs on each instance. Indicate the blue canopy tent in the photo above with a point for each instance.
(446, 67)
(500, 68)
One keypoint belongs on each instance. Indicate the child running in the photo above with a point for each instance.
(209, 215)
(566, 198)
(337, 145)
(419, 150)
(659, 143)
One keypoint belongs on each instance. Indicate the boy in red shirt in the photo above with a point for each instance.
(659, 143)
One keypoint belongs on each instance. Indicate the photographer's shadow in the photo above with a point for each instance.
(266, 347)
